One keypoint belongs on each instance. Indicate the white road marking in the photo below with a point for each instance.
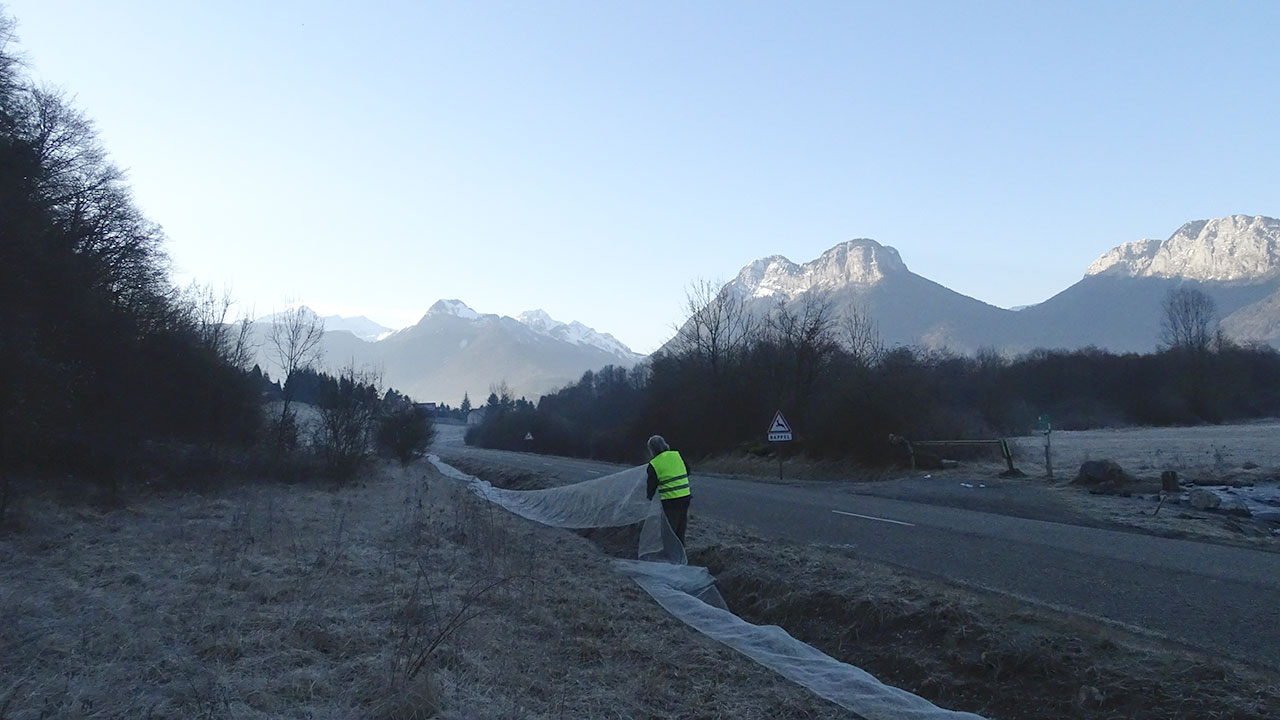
(868, 517)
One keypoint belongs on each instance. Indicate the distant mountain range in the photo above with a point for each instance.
(360, 326)
(454, 350)
(1115, 306)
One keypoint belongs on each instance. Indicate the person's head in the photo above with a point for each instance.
(657, 446)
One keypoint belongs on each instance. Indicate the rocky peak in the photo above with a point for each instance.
(453, 307)
(1131, 258)
(856, 262)
(539, 320)
(1229, 249)
(302, 312)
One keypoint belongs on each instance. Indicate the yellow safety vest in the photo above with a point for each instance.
(673, 477)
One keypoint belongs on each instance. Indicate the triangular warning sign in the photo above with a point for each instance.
(779, 424)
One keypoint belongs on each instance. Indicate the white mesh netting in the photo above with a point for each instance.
(689, 592)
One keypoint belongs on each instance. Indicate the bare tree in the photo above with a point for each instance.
(10, 64)
(860, 336)
(719, 327)
(500, 395)
(1189, 320)
(806, 329)
(89, 206)
(294, 342)
(208, 312)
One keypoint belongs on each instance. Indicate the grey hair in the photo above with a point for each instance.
(658, 445)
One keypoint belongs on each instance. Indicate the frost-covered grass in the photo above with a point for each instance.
(403, 596)
(1149, 451)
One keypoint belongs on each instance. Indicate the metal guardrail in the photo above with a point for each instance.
(912, 445)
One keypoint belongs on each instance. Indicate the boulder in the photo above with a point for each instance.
(1101, 472)
(1202, 499)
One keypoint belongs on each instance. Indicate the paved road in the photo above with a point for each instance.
(1220, 599)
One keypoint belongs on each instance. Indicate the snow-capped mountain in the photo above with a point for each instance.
(456, 308)
(306, 312)
(1238, 248)
(455, 350)
(360, 326)
(575, 333)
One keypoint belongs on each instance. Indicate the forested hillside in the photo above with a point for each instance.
(100, 352)
(108, 366)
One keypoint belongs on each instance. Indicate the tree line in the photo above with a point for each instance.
(718, 383)
(100, 351)
(104, 360)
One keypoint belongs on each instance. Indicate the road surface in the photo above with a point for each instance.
(1223, 600)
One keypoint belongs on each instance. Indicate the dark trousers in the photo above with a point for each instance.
(677, 512)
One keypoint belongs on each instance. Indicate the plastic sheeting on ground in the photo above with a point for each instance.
(689, 592)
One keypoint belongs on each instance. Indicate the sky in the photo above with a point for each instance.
(595, 158)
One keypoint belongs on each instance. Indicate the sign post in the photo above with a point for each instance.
(779, 431)
(1045, 425)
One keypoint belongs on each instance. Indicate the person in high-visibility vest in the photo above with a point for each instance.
(669, 478)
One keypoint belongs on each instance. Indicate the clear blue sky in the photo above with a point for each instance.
(594, 158)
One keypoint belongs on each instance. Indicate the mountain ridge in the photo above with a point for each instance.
(1116, 305)
(1236, 248)
(454, 350)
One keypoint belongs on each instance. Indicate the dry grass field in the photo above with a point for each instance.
(1191, 451)
(402, 597)
(405, 596)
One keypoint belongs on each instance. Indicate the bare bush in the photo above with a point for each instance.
(404, 430)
